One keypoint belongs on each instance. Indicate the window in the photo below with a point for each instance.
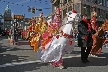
(64, 1)
(8, 21)
(64, 12)
(98, 12)
(88, 10)
(88, 0)
(77, 7)
(70, 8)
(101, 13)
(103, 4)
(106, 15)
(84, 9)
(99, 2)
(107, 3)
(69, 0)
(93, 1)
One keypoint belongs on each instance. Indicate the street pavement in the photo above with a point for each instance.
(21, 58)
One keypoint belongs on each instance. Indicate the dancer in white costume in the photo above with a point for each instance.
(61, 43)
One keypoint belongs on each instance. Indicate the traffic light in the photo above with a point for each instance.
(39, 9)
(29, 9)
(33, 10)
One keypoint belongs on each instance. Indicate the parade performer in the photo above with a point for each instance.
(31, 28)
(11, 36)
(94, 24)
(99, 39)
(31, 40)
(60, 43)
(40, 28)
(85, 40)
(14, 33)
(53, 28)
(55, 25)
(38, 36)
(39, 23)
(106, 34)
(31, 31)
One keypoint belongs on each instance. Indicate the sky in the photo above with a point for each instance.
(21, 10)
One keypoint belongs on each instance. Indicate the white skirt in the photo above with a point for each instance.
(55, 49)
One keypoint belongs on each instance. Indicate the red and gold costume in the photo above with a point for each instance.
(98, 40)
(94, 24)
(39, 29)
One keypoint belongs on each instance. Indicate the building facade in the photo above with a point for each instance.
(37, 17)
(1, 22)
(7, 17)
(83, 6)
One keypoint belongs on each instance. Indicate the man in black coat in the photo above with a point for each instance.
(14, 33)
(85, 40)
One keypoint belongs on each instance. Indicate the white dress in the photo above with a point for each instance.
(57, 47)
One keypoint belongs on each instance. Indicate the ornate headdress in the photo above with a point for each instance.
(57, 13)
(41, 16)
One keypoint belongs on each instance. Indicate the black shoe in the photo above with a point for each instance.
(16, 43)
(83, 61)
(87, 60)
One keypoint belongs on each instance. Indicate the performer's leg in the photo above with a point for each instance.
(58, 64)
(54, 64)
(11, 40)
(88, 52)
(83, 54)
(16, 39)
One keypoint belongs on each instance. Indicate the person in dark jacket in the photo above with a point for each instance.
(16, 33)
(85, 40)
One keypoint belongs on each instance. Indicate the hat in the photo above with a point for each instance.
(74, 11)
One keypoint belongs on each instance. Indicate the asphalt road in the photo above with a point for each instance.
(21, 58)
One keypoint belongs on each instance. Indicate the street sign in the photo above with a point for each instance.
(20, 17)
